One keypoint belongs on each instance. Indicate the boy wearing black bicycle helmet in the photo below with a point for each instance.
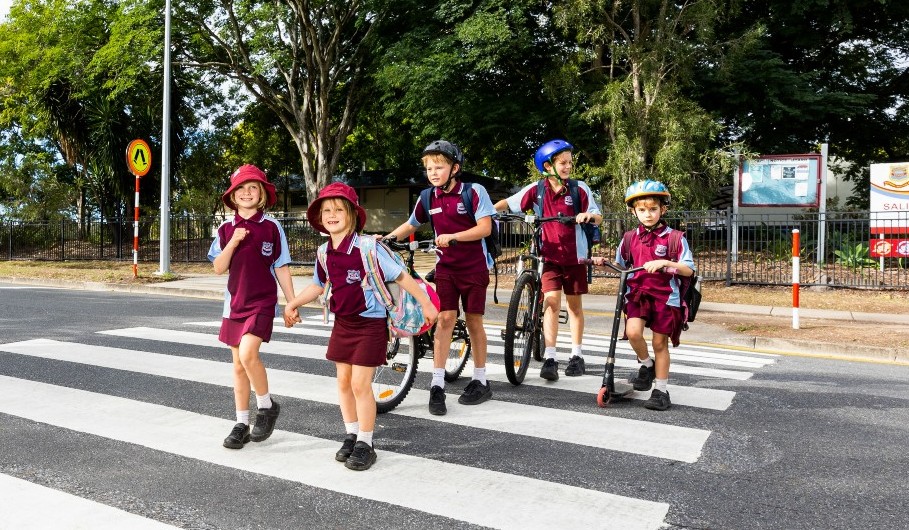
(652, 298)
(563, 247)
(462, 269)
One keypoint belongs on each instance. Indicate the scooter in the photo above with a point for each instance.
(611, 392)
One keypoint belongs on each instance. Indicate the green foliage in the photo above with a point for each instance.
(856, 257)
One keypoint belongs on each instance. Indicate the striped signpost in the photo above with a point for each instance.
(795, 278)
(138, 158)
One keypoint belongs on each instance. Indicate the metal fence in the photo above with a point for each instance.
(742, 249)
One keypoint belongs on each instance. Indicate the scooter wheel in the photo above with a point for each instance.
(603, 397)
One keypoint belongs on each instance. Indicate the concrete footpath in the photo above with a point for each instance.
(597, 308)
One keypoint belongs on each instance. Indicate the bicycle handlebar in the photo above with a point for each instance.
(427, 245)
(612, 266)
(535, 220)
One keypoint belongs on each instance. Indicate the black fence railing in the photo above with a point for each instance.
(835, 248)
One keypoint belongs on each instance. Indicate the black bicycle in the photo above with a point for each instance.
(393, 381)
(523, 333)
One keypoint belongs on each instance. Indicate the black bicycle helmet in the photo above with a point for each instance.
(450, 151)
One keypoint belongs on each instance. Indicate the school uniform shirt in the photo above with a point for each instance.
(251, 283)
(648, 246)
(449, 216)
(561, 244)
(350, 294)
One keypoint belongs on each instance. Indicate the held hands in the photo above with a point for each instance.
(291, 316)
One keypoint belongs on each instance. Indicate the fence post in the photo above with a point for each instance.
(63, 240)
(729, 228)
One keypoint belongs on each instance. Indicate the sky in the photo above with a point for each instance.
(4, 8)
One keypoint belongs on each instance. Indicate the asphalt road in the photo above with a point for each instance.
(115, 405)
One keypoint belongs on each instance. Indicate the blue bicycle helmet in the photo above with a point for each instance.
(647, 188)
(549, 150)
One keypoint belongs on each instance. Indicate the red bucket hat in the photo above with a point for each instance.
(339, 191)
(246, 173)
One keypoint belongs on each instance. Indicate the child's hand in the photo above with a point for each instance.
(291, 316)
(430, 313)
(599, 261)
(584, 217)
(655, 265)
(239, 235)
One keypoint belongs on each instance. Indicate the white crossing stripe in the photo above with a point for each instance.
(707, 398)
(38, 507)
(620, 362)
(671, 442)
(462, 494)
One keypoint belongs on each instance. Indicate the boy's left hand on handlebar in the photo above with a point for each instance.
(599, 261)
(656, 265)
(446, 240)
(585, 217)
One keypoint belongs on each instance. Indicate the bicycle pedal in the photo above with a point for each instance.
(563, 316)
(502, 333)
(399, 367)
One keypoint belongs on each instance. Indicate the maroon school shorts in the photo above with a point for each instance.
(571, 279)
(358, 340)
(468, 288)
(659, 317)
(233, 329)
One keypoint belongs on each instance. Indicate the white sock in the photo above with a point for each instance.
(243, 417)
(263, 401)
(660, 384)
(438, 378)
(352, 427)
(648, 362)
(365, 436)
(480, 375)
(549, 352)
(576, 350)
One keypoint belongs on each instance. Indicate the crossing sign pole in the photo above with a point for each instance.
(138, 158)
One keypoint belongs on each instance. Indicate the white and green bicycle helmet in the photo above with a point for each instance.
(647, 188)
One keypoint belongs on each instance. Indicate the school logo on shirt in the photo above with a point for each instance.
(661, 251)
(353, 276)
(568, 201)
(461, 209)
(267, 248)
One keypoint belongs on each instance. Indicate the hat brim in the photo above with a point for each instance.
(628, 200)
(271, 197)
(313, 214)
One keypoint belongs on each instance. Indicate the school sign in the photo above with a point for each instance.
(889, 193)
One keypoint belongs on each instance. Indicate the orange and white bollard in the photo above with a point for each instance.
(795, 278)
(136, 234)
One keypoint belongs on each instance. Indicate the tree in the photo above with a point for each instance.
(637, 58)
(305, 61)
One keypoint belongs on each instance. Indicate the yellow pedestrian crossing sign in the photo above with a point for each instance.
(138, 157)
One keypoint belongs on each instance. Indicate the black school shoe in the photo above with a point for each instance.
(475, 393)
(346, 448)
(550, 370)
(659, 400)
(238, 437)
(576, 366)
(362, 457)
(265, 422)
(644, 380)
(437, 401)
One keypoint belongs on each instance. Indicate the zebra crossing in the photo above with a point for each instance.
(468, 493)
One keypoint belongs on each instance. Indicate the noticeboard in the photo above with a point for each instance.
(780, 180)
(889, 198)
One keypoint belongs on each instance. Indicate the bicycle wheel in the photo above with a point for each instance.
(393, 380)
(458, 353)
(521, 328)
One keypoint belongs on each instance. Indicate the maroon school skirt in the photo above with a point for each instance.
(358, 340)
(233, 329)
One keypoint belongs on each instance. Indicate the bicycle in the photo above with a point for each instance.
(393, 381)
(523, 333)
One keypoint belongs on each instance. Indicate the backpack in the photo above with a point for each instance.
(689, 286)
(591, 231)
(493, 244)
(405, 314)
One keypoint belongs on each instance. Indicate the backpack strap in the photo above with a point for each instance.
(541, 194)
(374, 279)
(467, 199)
(322, 258)
(575, 194)
(626, 247)
(426, 200)
(675, 244)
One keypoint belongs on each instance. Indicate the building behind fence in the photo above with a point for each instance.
(758, 251)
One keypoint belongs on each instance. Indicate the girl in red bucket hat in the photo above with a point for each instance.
(252, 248)
(359, 338)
